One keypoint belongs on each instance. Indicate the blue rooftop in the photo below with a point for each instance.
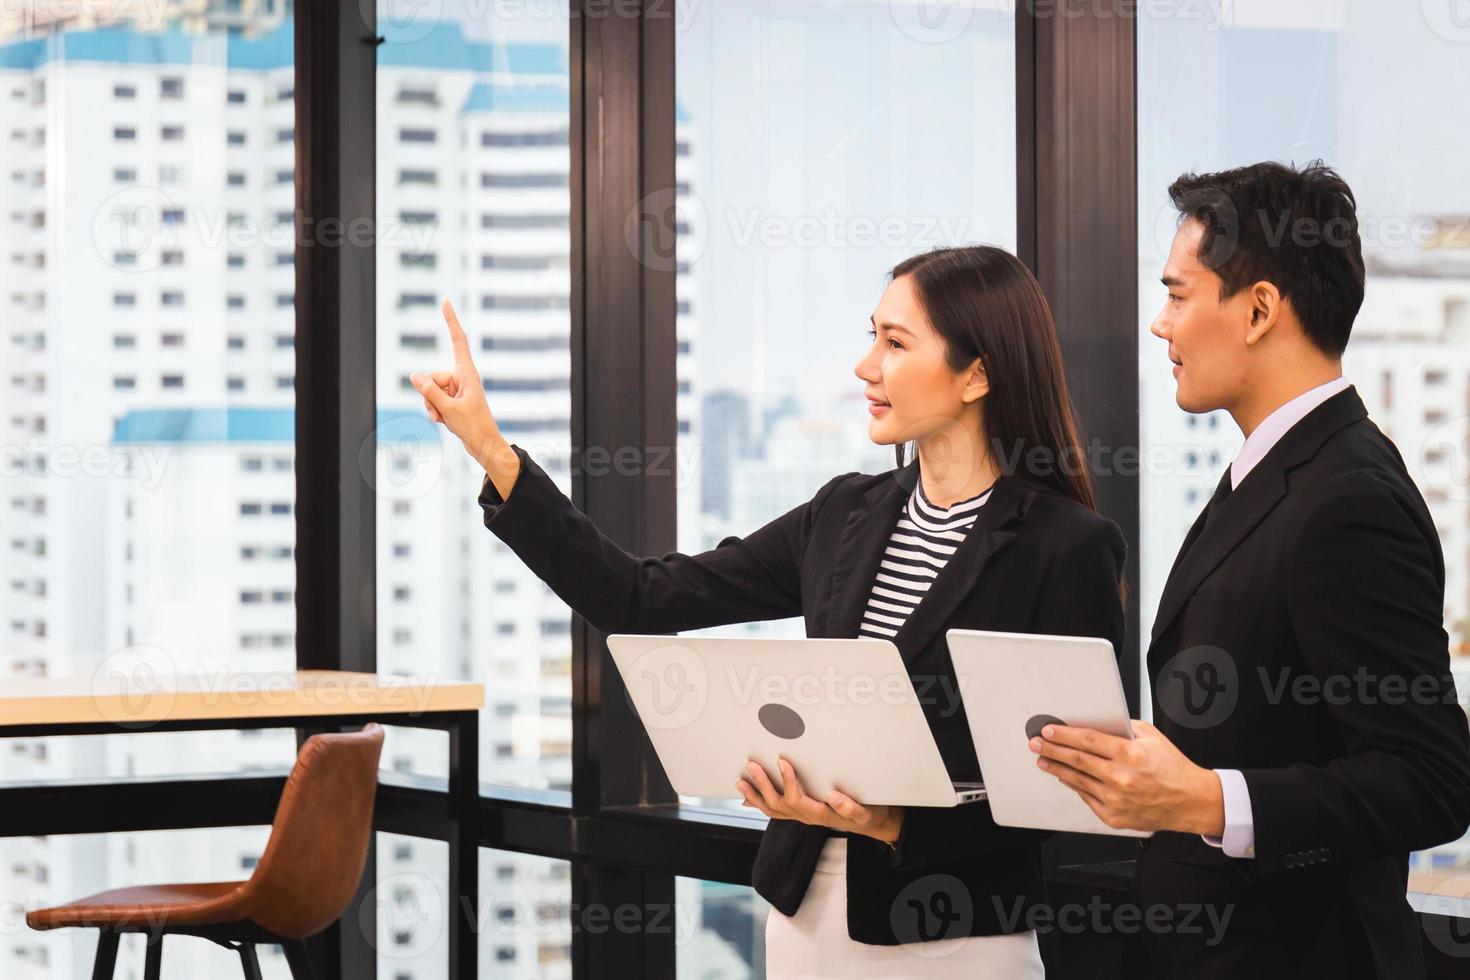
(443, 47)
(222, 425)
(485, 97)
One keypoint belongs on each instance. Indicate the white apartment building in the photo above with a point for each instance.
(146, 293)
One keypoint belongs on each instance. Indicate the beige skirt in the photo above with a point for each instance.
(814, 943)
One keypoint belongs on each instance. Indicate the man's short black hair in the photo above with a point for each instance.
(1296, 229)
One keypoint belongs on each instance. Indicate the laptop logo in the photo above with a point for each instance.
(781, 721)
(1036, 723)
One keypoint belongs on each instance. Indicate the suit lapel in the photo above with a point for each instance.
(1208, 544)
(1237, 516)
(865, 537)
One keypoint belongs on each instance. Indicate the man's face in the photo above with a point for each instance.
(1206, 336)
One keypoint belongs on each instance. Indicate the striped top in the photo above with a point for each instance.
(921, 543)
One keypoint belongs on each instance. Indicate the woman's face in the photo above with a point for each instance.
(911, 390)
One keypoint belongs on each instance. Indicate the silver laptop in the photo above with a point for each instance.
(1014, 683)
(844, 712)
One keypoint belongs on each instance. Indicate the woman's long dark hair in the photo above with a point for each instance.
(985, 303)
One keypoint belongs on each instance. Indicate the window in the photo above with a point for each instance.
(413, 280)
(418, 96)
(771, 432)
(1343, 95)
(140, 383)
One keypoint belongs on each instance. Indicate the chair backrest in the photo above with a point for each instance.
(319, 841)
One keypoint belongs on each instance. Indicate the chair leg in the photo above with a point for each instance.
(248, 962)
(153, 963)
(106, 961)
(297, 959)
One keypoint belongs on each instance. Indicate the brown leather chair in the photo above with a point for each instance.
(303, 883)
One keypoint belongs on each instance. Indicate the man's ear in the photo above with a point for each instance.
(1266, 306)
(977, 384)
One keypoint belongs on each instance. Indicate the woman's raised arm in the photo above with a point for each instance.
(757, 577)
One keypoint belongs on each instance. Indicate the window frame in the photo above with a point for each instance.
(621, 828)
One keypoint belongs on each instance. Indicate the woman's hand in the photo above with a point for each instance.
(840, 812)
(456, 397)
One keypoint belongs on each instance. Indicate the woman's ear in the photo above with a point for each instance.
(977, 382)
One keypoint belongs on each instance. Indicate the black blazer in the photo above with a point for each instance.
(1322, 564)
(1032, 562)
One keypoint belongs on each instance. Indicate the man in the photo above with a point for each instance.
(1309, 735)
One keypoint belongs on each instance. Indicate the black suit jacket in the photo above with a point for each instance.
(1032, 562)
(1322, 567)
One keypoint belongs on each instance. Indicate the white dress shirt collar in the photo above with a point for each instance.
(1275, 425)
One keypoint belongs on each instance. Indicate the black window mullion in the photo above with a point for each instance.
(336, 514)
(1077, 223)
(623, 399)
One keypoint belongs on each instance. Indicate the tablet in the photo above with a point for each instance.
(1014, 683)
(843, 711)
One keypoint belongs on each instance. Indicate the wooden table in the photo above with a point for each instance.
(134, 701)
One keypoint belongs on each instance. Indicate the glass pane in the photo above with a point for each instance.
(146, 403)
(818, 145)
(95, 862)
(473, 207)
(1359, 84)
(721, 931)
(524, 924)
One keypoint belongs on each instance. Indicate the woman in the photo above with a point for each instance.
(989, 525)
